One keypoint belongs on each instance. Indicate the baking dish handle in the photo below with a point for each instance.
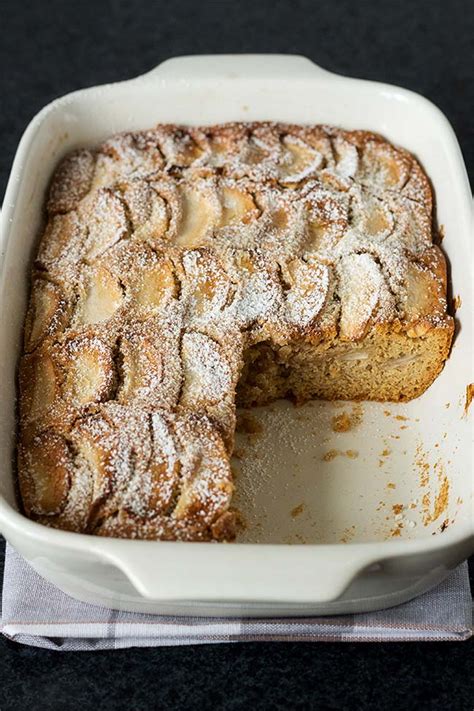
(235, 66)
(156, 574)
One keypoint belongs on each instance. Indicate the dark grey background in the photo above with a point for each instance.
(50, 48)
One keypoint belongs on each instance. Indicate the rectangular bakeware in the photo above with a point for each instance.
(327, 532)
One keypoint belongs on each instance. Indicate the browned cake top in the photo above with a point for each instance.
(168, 251)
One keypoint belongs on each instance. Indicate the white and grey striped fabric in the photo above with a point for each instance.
(34, 612)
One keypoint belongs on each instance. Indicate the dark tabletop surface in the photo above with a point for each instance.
(50, 48)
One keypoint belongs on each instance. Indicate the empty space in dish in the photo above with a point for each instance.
(336, 472)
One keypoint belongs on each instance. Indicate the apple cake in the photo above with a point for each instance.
(184, 271)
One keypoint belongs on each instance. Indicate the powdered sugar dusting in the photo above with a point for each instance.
(167, 253)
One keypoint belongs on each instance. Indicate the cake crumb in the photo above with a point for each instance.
(352, 453)
(397, 508)
(423, 465)
(347, 421)
(333, 453)
(456, 303)
(330, 455)
(297, 510)
(341, 423)
(391, 485)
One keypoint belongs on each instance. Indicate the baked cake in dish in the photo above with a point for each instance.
(185, 270)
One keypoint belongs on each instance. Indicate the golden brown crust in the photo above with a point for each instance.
(178, 262)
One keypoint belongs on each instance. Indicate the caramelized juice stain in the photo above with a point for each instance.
(469, 397)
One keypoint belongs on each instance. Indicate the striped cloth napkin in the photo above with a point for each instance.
(34, 612)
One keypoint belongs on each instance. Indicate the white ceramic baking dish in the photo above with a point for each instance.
(325, 534)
